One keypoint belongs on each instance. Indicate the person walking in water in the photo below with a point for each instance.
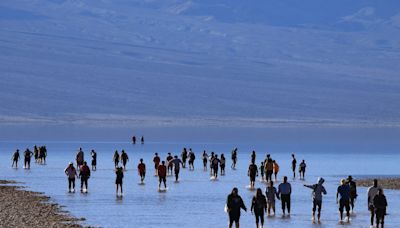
(156, 161)
(133, 139)
(177, 165)
(36, 153)
(212, 156)
(15, 159)
(162, 175)
(318, 190)
(94, 160)
(276, 169)
(253, 157)
(302, 169)
(271, 193)
(258, 207)
(222, 164)
(116, 158)
(142, 170)
(353, 191)
(284, 192)
(184, 156)
(343, 199)
(380, 205)
(205, 158)
(71, 173)
(192, 157)
(262, 172)
(124, 158)
(252, 172)
(294, 165)
(269, 169)
(79, 158)
(215, 163)
(372, 192)
(234, 158)
(233, 205)
(119, 172)
(27, 158)
(170, 165)
(84, 174)
(142, 140)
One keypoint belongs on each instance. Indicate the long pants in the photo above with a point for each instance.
(71, 181)
(380, 216)
(285, 199)
(84, 181)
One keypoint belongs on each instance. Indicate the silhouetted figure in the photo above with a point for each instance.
(142, 170)
(380, 204)
(318, 190)
(156, 161)
(252, 172)
(205, 159)
(302, 169)
(234, 158)
(259, 206)
(162, 175)
(271, 194)
(372, 192)
(119, 172)
(84, 174)
(284, 192)
(79, 158)
(215, 164)
(192, 157)
(124, 158)
(15, 159)
(343, 199)
(233, 204)
(133, 139)
(170, 165)
(222, 164)
(253, 157)
(94, 160)
(27, 158)
(116, 158)
(71, 173)
(177, 162)
(142, 140)
(294, 165)
(353, 191)
(184, 156)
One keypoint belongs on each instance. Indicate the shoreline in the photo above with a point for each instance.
(23, 208)
(392, 183)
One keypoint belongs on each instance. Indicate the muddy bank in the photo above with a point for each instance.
(21, 208)
(386, 183)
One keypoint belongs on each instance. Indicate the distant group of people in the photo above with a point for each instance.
(39, 153)
(345, 196)
(134, 139)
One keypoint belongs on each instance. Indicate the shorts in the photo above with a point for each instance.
(142, 174)
(252, 178)
(302, 170)
(176, 171)
(222, 166)
(344, 204)
(94, 162)
(317, 203)
(234, 217)
(269, 172)
(156, 165)
(191, 162)
(118, 181)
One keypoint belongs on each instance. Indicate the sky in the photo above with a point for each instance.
(198, 64)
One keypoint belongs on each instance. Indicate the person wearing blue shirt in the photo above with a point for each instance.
(343, 199)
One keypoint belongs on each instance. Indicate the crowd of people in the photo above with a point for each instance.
(345, 195)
